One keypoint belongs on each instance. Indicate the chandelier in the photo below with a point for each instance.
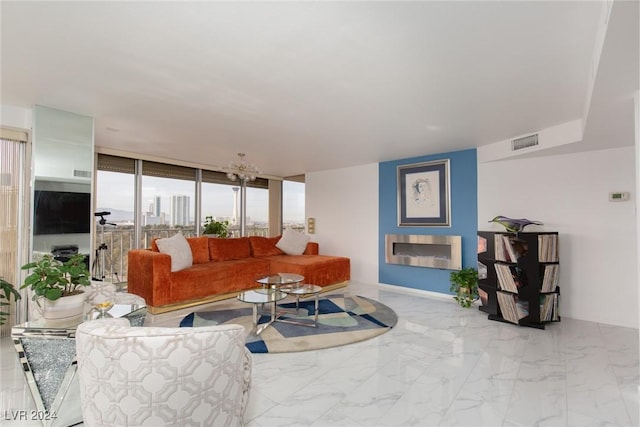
(242, 170)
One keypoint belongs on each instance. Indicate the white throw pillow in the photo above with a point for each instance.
(178, 248)
(292, 242)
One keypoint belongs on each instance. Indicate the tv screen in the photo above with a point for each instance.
(61, 212)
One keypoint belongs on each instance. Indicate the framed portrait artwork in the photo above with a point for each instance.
(423, 194)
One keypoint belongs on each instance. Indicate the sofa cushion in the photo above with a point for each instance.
(319, 270)
(292, 242)
(178, 248)
(264, 246)
(217, 278)
(221, 249)
(199, 249)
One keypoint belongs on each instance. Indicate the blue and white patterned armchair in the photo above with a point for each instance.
(158, 376)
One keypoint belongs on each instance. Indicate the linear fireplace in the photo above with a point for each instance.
(444, 252)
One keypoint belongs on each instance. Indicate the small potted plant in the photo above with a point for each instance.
(215, 228)
(465, 284)
(6, 291)
(59, 285)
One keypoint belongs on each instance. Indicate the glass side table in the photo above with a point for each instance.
(261, 297)
(304, 291)
(274, 281)
(47, 352)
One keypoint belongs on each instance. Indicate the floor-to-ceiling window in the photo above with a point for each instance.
(114, 232)
(258, 208)
(168, 204)
(168, 201)
(218, 202)
(293, 214)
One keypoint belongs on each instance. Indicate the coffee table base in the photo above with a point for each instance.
(272, 297)
(303, 291)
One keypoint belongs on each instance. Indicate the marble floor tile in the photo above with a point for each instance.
(441, 365)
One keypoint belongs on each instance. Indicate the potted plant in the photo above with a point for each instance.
(216, 228)
(6, 291)
(58, 284)
(465, 284)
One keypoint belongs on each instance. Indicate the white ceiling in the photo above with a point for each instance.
(307, 86)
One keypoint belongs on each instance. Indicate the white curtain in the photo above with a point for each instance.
(12, 161)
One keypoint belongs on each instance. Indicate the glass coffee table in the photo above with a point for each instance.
(275, 288)
(262, 297)
(275, 281)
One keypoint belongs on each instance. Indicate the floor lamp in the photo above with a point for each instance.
(243, 172)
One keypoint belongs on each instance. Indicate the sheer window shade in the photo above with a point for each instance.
(111, 163)
(14, 135)
(11, 168)
(116, 164)
(164, 170)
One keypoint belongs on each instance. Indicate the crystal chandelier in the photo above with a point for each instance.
(242, 170)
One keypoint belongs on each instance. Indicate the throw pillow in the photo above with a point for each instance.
(293, 242)
(262, 247)
(199, 249)
(178, 248)
(223, 249)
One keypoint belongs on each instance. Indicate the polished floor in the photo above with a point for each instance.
(442, 365)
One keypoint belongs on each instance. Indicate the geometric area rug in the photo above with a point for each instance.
(342, 319)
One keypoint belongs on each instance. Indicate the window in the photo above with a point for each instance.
(114, 237)
(257, 211)
(293, 204)
(168, 201)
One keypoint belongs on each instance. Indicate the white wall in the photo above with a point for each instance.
(16, 117)
(344, 203)
(569, 194)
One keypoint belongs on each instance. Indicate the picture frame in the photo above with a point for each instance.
(424, 194)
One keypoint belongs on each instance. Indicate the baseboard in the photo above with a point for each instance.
(421, 292)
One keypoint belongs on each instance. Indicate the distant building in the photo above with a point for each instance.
(150, 219)
(156, 206)
(180, 210)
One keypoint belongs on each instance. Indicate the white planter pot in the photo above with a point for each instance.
(64, 307)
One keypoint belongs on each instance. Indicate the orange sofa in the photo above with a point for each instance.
(222, 268)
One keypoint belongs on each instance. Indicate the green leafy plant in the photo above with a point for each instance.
(218, 228)
(6, 291)
(465, 284)
(53, 279)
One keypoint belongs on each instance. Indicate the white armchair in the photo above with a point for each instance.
(155, 376)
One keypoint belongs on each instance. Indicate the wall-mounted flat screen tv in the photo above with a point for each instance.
(61, 212)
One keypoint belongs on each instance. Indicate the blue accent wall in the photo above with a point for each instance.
(463, 218)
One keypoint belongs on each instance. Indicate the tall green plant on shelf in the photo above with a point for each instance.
(6, 292)
(217, 228)
(465, 284)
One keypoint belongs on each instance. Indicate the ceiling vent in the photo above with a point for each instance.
(524, 142)
(81, 174)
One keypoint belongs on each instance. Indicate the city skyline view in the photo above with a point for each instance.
(115, 191)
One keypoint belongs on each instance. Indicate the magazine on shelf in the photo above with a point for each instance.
(482, 271)
(484, 296)
(510, 277)
(550, 278)
(549, 307)
(548, 248)
(513, 309)
(509, 248)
